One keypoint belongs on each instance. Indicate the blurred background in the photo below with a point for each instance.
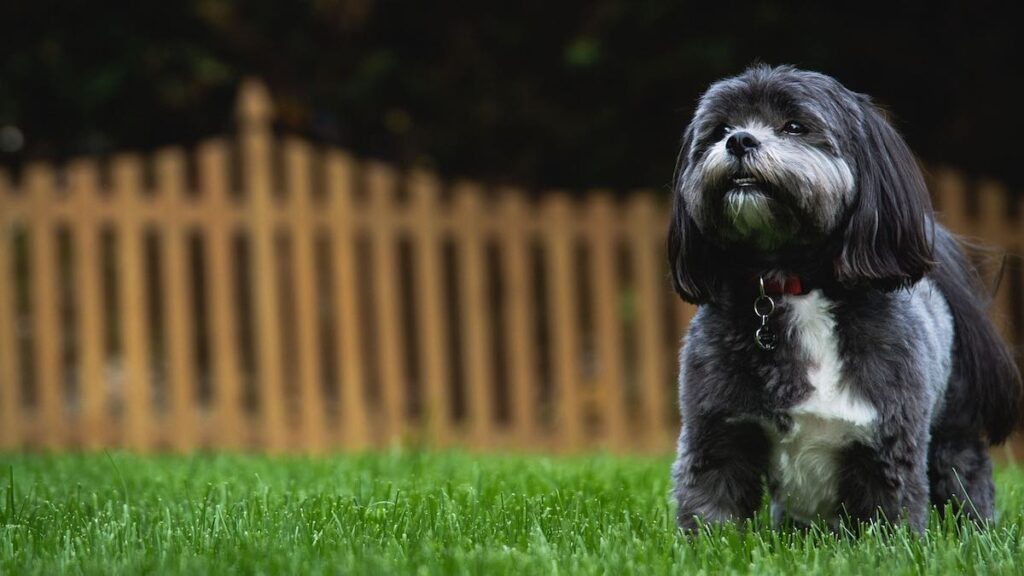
(345, 223)
(571, 94)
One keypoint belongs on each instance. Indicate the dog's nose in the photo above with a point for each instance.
(739, 143)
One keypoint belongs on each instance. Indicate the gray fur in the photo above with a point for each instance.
(850, 216)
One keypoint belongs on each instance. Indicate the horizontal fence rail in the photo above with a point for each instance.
(264, 293)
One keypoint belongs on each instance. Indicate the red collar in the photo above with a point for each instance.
(790, 285)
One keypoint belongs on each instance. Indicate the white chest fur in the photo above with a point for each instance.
(806, 458)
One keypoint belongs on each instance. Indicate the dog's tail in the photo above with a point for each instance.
(985, 389)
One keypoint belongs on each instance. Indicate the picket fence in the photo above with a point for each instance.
(264, 293)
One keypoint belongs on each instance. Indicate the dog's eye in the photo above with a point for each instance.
(720, 131)
(794, 128)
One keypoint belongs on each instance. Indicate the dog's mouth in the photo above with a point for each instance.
(748, 185)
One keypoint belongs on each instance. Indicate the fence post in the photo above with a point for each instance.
(348, 315)
(133, 311)
(39, 180)
(432, 307)
(219, 285)
(562, 304)
(475, 314)
(87, 267)
(297, 168)
(10, 370)
(604, 282)
(517, 280)
(650, 290)
(255, 113)
(380, 179)
(177, 304)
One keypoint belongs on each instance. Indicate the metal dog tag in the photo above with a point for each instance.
(764, 306)
(765, 338)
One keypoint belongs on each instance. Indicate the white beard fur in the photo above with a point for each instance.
(749, 212)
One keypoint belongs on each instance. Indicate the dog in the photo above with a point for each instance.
(840, 354)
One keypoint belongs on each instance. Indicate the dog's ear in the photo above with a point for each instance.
(888, 238)
(690, 256)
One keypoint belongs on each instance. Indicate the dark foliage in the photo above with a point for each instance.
(550, 93)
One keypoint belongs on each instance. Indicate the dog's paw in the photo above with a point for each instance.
(689, 524)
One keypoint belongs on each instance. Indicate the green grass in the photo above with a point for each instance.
(427, 513)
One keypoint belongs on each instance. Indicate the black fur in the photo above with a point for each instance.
(691, 257)
(887, 241)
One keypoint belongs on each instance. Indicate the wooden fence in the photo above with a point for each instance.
(269, 294)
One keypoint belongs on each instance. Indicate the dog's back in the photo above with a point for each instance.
(985, 385)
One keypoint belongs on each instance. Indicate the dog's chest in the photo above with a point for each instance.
(806, 456)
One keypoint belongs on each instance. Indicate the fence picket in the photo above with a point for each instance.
(562, 319)
(432, 307)
(474, 314)
(348, 316)
(298, 168)
(219, 286)
(177, 301)
(86, 267)
(133, 311)
(604, 283)
(10, 369)
(517, 279)
(44, 297)
(650, 289)
(254, 114)
(380, 180)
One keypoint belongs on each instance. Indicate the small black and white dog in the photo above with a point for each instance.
(841, 351)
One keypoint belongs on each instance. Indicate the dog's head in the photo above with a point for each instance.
(780, 160)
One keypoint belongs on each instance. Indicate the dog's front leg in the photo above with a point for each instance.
(887, 480)
(719, 471)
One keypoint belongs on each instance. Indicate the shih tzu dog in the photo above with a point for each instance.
(841, 354)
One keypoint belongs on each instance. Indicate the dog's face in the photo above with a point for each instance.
(768, 163)
(776, 159)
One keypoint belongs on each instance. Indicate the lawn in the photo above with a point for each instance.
(426, 513)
